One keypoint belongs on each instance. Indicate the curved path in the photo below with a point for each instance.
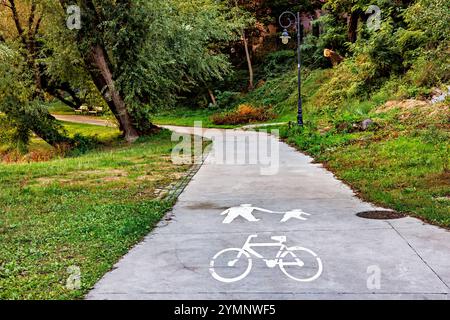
(84, 119)
(362, 259)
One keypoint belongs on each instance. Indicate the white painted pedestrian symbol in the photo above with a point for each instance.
(287, 259)
(297, 214)
(246, 211)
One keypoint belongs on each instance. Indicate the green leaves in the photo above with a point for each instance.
(432, 17)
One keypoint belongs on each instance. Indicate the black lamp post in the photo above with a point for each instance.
(285, 39)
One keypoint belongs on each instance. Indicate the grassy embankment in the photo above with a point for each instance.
(85, 211)
(400, 162)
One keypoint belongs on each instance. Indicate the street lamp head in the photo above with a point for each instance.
(285, 37)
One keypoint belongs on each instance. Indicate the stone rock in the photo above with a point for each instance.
(366, 124)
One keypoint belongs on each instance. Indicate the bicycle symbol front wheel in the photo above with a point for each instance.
(290, 251)
(230, 263)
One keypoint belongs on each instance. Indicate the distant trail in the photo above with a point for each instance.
(84, 120)
(105, 123)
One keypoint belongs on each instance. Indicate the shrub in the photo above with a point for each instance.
(431, 68)
(333, 36)
(243, 114)
(82, 144)
(226, 99)
(14, 135)
(279, 62)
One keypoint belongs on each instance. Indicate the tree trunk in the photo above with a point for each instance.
(249, 62)
(247, 55)
(213, 98)
(56, 93)
(77, 102)
(99, 67)
(353, 26)
(97, 59)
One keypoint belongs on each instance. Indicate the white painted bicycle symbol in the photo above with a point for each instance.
(285, 259)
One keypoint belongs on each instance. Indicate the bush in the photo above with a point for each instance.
(432, 18)
(244, 114)
(83, 144)
(13, 135)
(226, 99)
(279, 62)
(431, 68)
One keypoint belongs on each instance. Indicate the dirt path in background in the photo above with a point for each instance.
(85, 119)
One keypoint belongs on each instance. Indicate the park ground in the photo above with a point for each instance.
(83, 210)
(88, 208)
(401, 161)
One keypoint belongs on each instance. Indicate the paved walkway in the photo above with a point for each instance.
(84, 119)
(361, 259)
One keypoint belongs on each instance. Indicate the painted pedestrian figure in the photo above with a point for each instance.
(244, 210)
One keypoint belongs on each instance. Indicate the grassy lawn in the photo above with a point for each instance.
(57, 107)
(39, 150)
(403, 163)
(408, 173)
(84, 211)
(103, 134)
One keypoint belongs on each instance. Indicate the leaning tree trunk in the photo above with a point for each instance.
(58, 92)
(212, 97)
(103, 79)
(100, 69)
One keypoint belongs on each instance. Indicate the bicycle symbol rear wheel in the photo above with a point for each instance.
(290, 251)
(213, 267)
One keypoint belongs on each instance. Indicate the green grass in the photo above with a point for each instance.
(57, 107)
(278, 93)
(40, 150)
(402, 163)
(103, 134)
(408, 173)
(84, 211)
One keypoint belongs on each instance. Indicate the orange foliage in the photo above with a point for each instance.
(243, 114)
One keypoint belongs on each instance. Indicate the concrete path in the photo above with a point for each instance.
(361, 259)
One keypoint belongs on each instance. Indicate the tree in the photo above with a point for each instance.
(26, 18)
(20, 101)
(140, 54)
(135, 55)
(246, 49)
(21, 84)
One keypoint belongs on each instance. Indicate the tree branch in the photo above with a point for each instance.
(12, 6)
(38, 24)
(31, 16)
